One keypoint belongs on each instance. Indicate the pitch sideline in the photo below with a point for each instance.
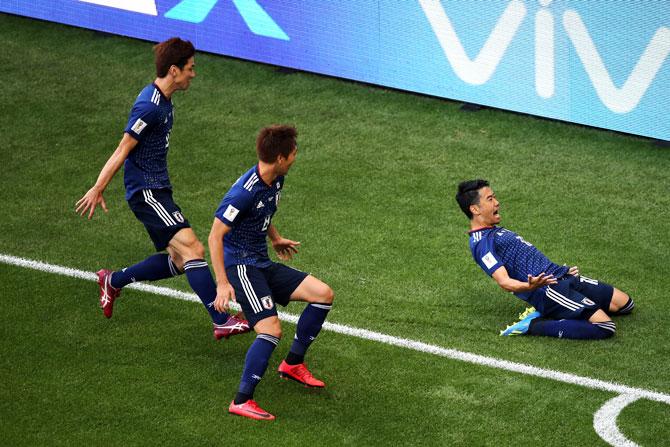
(604, 421)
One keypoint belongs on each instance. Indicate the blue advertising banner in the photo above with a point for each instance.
(603, 63)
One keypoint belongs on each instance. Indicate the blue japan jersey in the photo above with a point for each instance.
(248, 208)
(149, 123)
(494, 247)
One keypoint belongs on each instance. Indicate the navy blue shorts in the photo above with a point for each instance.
(258, 289)
(574, 298)
(160, 215)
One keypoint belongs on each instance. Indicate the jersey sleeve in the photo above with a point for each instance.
(485, 255)
(143, 117)
(234, 206)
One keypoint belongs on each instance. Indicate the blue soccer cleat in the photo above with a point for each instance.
(521, 326)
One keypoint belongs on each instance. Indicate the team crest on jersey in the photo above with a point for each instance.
(266, 301)
(588, 302)
(177, 215)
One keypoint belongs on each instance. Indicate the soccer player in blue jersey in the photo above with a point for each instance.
(245, 273)
(143, 153)
(566, 304)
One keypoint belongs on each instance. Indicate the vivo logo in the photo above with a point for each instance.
(196, 11)
(479, 70)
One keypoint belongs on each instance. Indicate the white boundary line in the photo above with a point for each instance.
(604, 420)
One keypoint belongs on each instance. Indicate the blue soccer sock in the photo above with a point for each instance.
(626, 309)
(255, 365)
(574, 329)
(309, 325)
(153, 268)
(201, 281)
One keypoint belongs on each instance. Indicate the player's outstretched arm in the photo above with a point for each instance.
(512, 285)
(285, 248)
(93, 196)
(224, 290)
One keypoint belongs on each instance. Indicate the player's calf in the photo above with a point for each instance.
(200, 279)
(572, 329)
(255, 364)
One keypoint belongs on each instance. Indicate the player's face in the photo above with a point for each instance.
(488, 207)
(285, 163)
(182, 78)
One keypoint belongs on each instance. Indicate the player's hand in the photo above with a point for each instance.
(541, 280)
(89, 202)
(224, 294)
(285, 248)
(574, 271)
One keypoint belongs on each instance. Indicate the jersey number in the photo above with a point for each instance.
(522, 240)
(588, 280)
(266, 223)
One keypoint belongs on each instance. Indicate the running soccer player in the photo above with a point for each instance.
(143, 153)
(245, 273)
(566, 305)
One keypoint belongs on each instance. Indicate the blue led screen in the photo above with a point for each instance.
(603, 63)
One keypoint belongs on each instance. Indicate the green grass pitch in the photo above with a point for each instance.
(371, 199)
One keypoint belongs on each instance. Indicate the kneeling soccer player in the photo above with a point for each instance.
(245, 273)
(566, 305)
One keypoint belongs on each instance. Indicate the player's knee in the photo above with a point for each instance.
(270, 326)
(619, 300)
(624, 307)
(606, 329)
(198, 250)
(275, 332)
(177, 260)
(327, 295)
(194, 250)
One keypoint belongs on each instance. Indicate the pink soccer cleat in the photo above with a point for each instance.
(300, 374)
(250, 409)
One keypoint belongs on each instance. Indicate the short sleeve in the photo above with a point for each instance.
(486, 256)
(143, 118)
(234, 206)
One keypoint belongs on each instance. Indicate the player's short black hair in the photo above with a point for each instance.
(171, 52)
(468, 194)
(275, 140)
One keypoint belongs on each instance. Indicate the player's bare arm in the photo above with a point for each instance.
(512, 285)
(93, 196)
(285, 248)
(224, 291)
